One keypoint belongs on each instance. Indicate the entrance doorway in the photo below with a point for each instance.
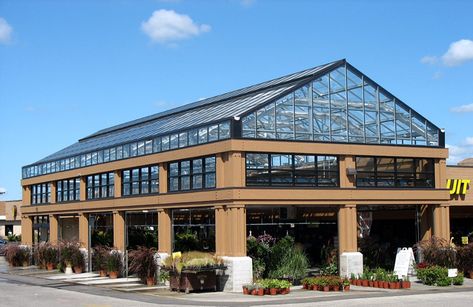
(313, 228)
(383, 229)
(101, 228)
(141, 229)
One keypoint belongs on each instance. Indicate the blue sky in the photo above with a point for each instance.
(70, 68)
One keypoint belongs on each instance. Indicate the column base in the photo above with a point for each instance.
(238, 273)
(351, 263)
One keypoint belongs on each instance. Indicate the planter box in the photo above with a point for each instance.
(189, 281)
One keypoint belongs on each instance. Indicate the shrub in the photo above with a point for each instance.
(17, 255)
(186, 241)
(143, 263)
(458, 280)
(465, 258)
(433, 276)
(46, 253)
(70, 255)
(293, 265)
(114, 261)
(193, 261)
(437, 251)
(99, 258)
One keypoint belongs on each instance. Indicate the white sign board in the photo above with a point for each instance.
(405, 262)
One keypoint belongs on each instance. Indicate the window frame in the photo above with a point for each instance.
(204, 173)
(140, 181)
(293, 171)
(108, 186)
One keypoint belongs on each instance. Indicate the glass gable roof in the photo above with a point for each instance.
(341, 105)
(333, 102)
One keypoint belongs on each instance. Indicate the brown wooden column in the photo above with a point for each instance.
(117, 184)
(119, 230)
(220, 230)
(53, 229)
(346, 162)
(441, 221)
(233, 169)
(83, 188)
(230, 230)
(27, 230)
(163, 178)
(425, 222)
(26, 198)
(84, 229)
(440, 169)
(164, 230)
(236, 219)
(347, 229)
(53, 192)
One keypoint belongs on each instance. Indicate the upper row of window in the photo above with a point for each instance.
(182, 139)
(262, 169)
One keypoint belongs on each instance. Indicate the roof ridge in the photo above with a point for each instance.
(211, 100)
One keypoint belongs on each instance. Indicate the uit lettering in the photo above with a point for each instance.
(458, 186)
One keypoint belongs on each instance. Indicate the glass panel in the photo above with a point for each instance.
(203, 135)
(157, 145)
(149, 146)
(141, 148)
(174, 141)
(337, 79)
(224, 130)
(213, 133)
(133, 149)
(193, 137)
(165, 143)
(265, 118)
(182, 139)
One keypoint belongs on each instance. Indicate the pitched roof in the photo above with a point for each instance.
(206, 111)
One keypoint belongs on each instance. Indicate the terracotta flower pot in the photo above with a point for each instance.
(346, 288)
(50, 266)
(77, 269)
(358, 282)
(375, 284)
(113, 275)
(364, 283)
(315, 288)
(326, 288)
(336, 288)
(406, 284)
(245, 290)
(273, 291)
(371, 283)
(386, 285)
(103, 273)
(150, 281)
(392, 285)
(352, 282)
(260, 292)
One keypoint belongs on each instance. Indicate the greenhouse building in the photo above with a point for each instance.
(325, 155)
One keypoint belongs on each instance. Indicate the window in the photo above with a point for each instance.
(143, 180)
(195, 174)
(68, 190)
(263, 169)
(41, 193)
(100, 186)
(385, 172)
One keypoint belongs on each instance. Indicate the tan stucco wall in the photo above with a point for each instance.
(461, 172)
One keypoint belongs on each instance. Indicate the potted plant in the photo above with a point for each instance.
(335, 283)
(191, 271)
(364, 280)
(251, 288)
(272, 285)
(245, 288)
(324, 284)
(50, 255)
(17, 255)
(405, 283)
(346, 285)
(99, 259)
(284, 286)
(114, 263)
(143, 263)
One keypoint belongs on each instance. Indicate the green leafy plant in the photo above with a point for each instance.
(433, 275)
(114, 261)
(186, 241)
(458, 280)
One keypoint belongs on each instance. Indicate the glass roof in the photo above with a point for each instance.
(341, 105)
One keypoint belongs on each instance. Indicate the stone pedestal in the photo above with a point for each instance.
(238, 273)
(351, 263)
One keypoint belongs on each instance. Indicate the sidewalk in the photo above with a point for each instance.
(131, 288)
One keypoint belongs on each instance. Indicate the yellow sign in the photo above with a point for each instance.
(458, 186)
(465, 240)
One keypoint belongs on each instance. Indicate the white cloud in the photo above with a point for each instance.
(429, 59)
(168, 26)
(459, 152)
(3, 190)
(458, 53)
(5, 31)
(466, 108)
(247, 3)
